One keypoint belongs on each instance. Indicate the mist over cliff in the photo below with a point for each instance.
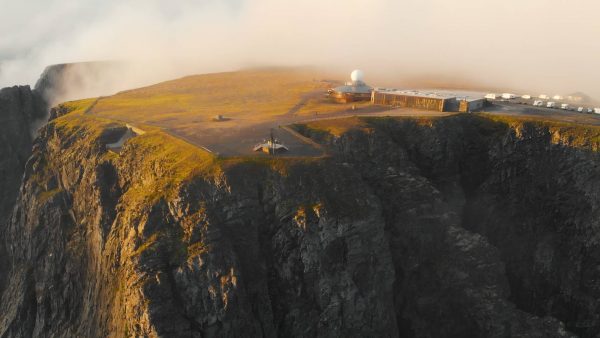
(539, 45)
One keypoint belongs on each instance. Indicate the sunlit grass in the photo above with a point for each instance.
(254, 95)
(575, 134)
(78, 107)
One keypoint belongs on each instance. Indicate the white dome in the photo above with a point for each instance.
(357, 75)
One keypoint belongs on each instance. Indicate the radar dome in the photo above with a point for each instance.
(357, 76)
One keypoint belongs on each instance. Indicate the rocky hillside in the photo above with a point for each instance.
(526, 189)
(20, 109)
(456, 227)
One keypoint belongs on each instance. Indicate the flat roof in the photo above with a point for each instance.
(359, 88)
(434, 94)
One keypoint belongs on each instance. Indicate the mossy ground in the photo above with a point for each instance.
(253, 96)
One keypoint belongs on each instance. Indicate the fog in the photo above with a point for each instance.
(537, 46)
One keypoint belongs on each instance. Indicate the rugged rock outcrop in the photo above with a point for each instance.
(530, 189)
(20, 109)
(405, 231)
(250, 250)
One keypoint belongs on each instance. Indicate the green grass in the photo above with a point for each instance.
(572, 134)
(78, 107)
(336, 127)
(177, 161)
(578, 135)
(44, 196)
(146, 245)
(254, 95)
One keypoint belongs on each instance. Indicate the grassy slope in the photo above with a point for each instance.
(253, 96)
(572, 134)
(248, 96)
(176, 159)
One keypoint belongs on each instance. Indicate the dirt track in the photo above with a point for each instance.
(233, 139)
(237, 138)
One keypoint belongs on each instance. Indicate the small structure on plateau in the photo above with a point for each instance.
(356, 90)
(128, 133)
(272, 146)
(220, 118)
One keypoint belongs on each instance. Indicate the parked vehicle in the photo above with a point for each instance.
(544, 97)
(597, 110)
(580, 110)
(526, 97)
(551, 104)
(491, 96)
(508, 96)
(590, 110)
(564, 106)
(538, 103)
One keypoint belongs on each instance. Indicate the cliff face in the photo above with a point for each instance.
(20, 108)
(106, 245)
(409, 229)
(527, 192)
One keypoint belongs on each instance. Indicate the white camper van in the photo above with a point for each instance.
(580, 110)
(491, 96)
(564, 106)
(538, 103)
(526, 97)
(508, 96)
(597, 110)
(551, 104)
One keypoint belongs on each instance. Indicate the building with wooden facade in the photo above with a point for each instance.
(412, 99)
(426, 100)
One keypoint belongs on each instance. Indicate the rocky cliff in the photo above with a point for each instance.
(455, 227)
(528, 189)
(20, 109)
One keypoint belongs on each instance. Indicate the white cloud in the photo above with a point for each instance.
(549, 45)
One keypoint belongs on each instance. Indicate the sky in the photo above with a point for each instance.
(549, 46)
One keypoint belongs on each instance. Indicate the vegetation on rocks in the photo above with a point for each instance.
(464, 226)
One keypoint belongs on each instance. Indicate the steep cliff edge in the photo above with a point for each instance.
(529, 187)
(22, 112)
(163, 239)
(20, 108)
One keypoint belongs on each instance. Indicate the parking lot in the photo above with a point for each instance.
(520, 106)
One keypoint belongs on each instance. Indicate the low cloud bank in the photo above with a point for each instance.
(539, 46)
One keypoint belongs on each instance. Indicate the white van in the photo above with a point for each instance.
(551, 104)
(538, 103)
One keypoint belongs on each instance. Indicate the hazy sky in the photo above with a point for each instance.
(538, 45)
